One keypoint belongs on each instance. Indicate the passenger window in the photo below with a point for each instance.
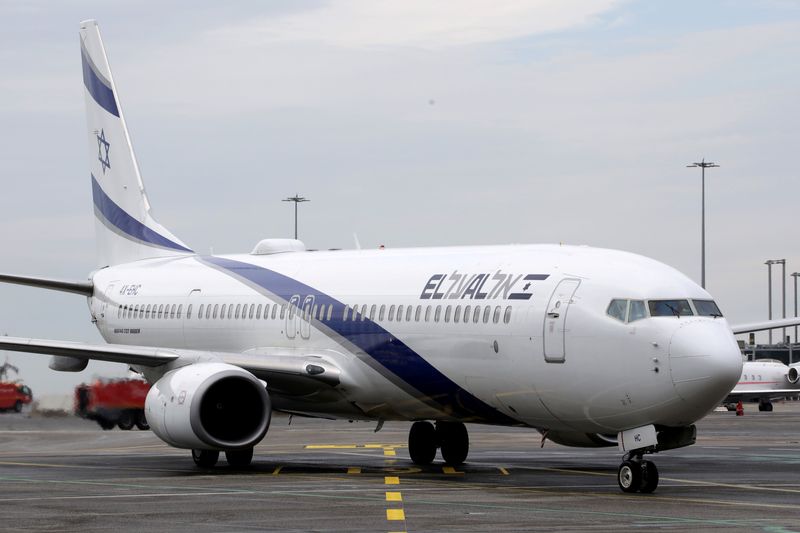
(275, 311)
(496, 316)
(399, 313)
(200, 312)
(618, 309)
(447, 312)
(437, 314)
(160, 311)
(391, 312)
(408, 312)
(189, 312)
(363, 312)
(252, 311)
(457, 314)
(417, 313)
(428, 314)
(266, 311)
(119, 311)
(486, 313)
(208, 311)
(372, 312)
(239, 308)
(258, 312)
(180, 311)
(230, 310)
(313, 311)
(147, 312)
(330, 311)
(222, 311)
(345, 312)
(467, 313)
(670, 308)
(476, 315)
(507, 316)
(707, 308)
(636, 311)
(172, 311)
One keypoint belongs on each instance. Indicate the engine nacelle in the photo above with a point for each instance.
(581, 440)
(209, 406)
(793, 375)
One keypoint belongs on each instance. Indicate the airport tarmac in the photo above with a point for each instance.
(313, 475)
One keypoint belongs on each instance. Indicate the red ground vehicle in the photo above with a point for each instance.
(117, 402)
(14, 396)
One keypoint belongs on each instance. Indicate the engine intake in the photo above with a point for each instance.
(212, 406)
(793, 375)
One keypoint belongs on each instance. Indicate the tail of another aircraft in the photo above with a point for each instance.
(126, 231)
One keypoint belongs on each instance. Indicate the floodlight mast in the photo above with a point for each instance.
(703, 164)
(296, 199)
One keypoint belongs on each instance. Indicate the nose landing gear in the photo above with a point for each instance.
(637, 475)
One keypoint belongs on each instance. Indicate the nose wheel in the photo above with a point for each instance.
(637, 475)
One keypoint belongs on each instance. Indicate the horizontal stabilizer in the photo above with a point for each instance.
(79, 287)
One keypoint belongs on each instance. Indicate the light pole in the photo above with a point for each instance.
(296, 199)
(769, 263)
(794, 275)
(782, 262)
(703, 166)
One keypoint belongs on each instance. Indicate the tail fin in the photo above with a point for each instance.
(125, 229)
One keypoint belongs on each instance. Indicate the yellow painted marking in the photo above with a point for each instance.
(389, 452)
(330, 446)
(277, 470)
(395, 514)
(394, 497)
(391, 480)
(450, 470)
(502, 470)
(354, 470)
(374, 446)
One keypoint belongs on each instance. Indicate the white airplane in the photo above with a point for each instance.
(591, 347)
(765, 380)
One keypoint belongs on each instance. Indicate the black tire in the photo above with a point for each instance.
(629, 476)
(205, 458)
(106, 424)
(125, 421)
(239, 458)
(18, 406)
(765, 406)
(649, 477)
(454, 441)
(422, 443)
(141, 421)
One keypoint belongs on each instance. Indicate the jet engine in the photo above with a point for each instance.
(793, 375)
(581, 440)
(209, 406)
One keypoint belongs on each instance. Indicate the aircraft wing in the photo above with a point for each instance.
(282, 368)
(765, 325)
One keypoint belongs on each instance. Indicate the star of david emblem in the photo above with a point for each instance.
(102, 147)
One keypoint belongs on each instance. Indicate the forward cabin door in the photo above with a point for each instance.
(555, 320)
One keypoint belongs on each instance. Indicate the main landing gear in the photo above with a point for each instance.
(636, 474)
(451, 437)
(235, 458)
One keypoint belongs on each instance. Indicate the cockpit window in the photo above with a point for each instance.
(670, 308)
(637, 311)
(618, 309)
(707, 308)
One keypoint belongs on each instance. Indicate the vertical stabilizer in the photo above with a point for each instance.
(125, 229)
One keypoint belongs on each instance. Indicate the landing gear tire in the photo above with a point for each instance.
(141, 421)
(454, 441)
(649, 477)
(629, 476)
(765, 406)
(422, 441)
(125, 421)
(18, 406)
(106, 424)
(205, 458)
(239, 458)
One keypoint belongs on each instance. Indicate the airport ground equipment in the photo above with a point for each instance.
(118, 402)
(13, 396)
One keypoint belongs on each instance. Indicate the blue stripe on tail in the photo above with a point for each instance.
(101, 92)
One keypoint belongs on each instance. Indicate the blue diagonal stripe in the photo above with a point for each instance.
(101, 92)
(129, 226)
(382, 346)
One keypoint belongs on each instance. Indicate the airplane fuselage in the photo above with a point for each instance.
(512, 335)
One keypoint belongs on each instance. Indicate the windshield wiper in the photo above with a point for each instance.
(674, 311)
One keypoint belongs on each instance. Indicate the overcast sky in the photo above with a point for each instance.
(410, 123)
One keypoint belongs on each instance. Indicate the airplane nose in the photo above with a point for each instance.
(705, 362)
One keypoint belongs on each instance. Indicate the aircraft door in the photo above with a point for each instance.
(293, 310)
(555, 320)
(305, 318)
